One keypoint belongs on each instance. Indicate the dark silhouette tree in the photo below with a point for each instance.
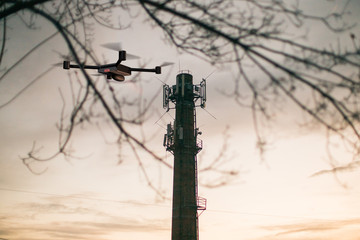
(266, 37)
(74, 21)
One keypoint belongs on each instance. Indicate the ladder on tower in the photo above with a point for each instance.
(200, 201)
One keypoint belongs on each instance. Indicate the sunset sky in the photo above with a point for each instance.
(96, 195)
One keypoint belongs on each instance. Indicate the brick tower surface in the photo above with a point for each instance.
(181, 140)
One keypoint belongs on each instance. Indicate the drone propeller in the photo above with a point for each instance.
(66, 57)
(116, 46)
(57, 64)
(131, 56)
(164, 64)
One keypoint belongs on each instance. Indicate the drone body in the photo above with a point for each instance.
(116, 71)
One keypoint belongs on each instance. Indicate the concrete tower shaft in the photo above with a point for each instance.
(184, 216)
(181, 140)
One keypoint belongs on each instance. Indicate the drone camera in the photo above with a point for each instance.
(118, 78)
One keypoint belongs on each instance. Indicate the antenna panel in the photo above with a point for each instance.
(169, 139)
(166, 97)
(203, 93)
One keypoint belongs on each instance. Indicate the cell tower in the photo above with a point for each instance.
(181, 140)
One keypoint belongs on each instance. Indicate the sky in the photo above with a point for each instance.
(97, 195)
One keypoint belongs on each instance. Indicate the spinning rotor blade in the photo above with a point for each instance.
(166, 64)
(58, 64)
(116, 46)
(131, 56)
(66, 57)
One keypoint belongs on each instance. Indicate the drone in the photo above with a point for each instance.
(116, 71)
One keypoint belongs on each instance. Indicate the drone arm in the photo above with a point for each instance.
(156, 70)
(67, 65)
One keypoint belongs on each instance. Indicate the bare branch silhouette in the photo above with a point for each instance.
(263, 37)
(253, 35)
